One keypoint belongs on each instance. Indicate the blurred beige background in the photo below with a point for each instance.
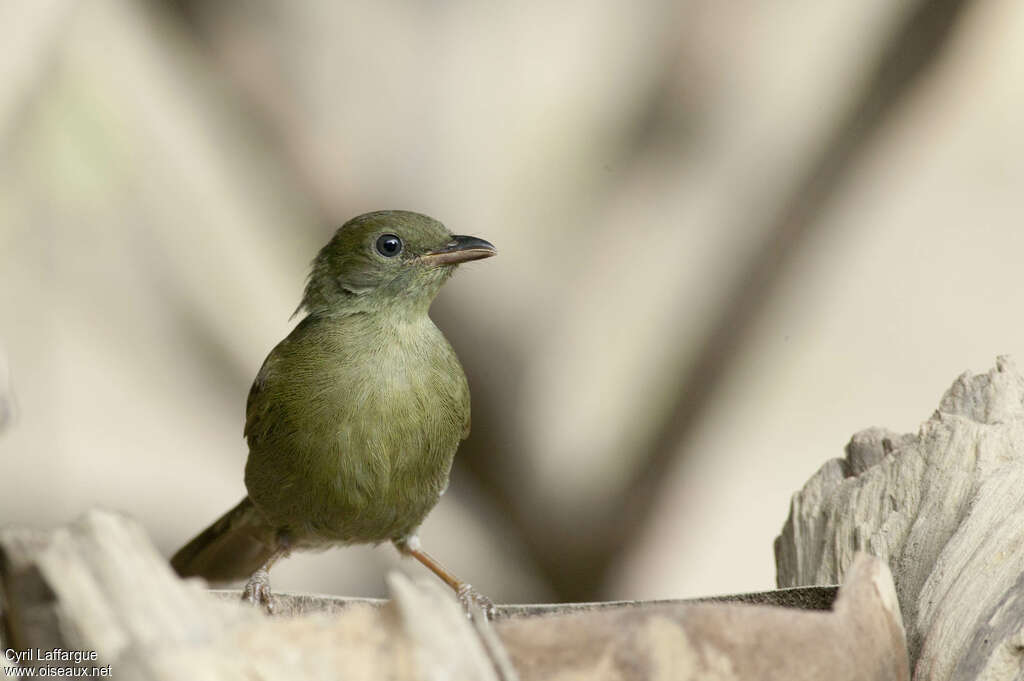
(730, 235)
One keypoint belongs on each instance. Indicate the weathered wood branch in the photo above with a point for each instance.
(99, 585)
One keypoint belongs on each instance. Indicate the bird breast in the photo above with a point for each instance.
(358, 430)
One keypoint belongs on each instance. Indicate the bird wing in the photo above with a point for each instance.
(256, 407)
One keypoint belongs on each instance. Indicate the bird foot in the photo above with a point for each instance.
(472, 599)
(257, 591)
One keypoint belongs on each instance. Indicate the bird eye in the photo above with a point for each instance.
(389, 245)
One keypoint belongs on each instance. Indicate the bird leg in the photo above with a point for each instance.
(467, 595)
(257, 589)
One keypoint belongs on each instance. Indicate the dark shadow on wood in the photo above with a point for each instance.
(801, 598)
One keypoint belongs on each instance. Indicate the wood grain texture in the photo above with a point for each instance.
(944, 507)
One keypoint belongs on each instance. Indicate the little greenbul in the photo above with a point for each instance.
(354, 418)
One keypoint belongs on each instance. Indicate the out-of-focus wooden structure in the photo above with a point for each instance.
(99, 585)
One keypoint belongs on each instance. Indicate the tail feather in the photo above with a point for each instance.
(229, 550)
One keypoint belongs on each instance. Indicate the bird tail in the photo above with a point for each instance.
(229, 550)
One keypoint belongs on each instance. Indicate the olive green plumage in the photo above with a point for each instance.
(352, 425)
(353, 420)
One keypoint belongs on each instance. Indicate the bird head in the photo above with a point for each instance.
(388, 258)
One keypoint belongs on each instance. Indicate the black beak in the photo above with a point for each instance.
(459, 249)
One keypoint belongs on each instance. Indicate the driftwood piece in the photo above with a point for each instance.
(944, 507)
(99, 585)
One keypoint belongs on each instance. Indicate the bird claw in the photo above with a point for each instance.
(471, 599)
(257, 591)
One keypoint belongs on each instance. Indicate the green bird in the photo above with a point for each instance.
(353, 419)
